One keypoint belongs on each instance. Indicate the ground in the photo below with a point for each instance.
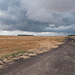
(58, 61)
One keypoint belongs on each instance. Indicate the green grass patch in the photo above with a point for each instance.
(13, 54)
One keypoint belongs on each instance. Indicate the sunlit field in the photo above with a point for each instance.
(17, 44)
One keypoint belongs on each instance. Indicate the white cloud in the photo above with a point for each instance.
(51, 25)
(1, 13)
(32, 33)
(60, 28)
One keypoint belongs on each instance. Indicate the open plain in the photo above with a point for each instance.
(58, 61)
(13, 45)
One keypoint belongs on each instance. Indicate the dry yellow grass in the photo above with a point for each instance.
(72, 37)
(14, 44)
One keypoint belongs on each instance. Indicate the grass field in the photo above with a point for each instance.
(12, 45)
(72, 37)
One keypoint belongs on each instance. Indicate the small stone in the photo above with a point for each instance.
(5, 60)
(25, 57)
(31, 54)
(1, 63)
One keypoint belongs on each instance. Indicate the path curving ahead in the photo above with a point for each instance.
(59, 61)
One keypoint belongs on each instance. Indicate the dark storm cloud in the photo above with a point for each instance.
(38, 15)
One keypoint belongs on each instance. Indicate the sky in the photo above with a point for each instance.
(37, 17)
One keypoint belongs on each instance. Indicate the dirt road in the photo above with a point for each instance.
(59, 61)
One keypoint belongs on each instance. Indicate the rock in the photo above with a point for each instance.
(31, 54)
(5, 60)
(25, 57)
(1, 63)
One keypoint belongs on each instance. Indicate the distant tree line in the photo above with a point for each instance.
(24, 35)
(71, 35)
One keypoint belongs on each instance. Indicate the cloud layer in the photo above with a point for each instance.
(56, 16)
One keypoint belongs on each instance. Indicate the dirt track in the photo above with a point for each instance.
(59, 61)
